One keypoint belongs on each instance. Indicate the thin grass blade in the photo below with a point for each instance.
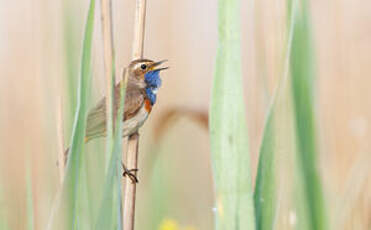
(264, 195)
(312, 207)
(71, 55)
(110, 213)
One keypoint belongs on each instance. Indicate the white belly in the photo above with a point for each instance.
(132, 125)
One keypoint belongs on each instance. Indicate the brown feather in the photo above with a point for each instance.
(96, 122)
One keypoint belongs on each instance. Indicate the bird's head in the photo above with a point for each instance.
(146, 74)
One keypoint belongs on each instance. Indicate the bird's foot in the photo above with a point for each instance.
(131, 174)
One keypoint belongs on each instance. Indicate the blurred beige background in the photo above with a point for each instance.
(32, 68)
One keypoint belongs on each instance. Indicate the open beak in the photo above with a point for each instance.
(154, 65)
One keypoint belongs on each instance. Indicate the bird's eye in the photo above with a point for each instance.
(143, 66)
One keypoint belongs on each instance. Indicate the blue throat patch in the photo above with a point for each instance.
(152, 78)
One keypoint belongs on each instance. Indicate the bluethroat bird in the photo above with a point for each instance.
(141, 93)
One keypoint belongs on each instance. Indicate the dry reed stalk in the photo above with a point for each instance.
(108, 66)
(132, 153)
(130, 190)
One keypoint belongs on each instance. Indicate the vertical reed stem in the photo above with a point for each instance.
(109, 72)
(130, 190)
(139, 25)
(132, 154)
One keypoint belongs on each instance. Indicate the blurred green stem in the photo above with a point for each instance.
(302, 72)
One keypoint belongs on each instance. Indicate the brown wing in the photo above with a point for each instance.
(96, 122)
(134, 99)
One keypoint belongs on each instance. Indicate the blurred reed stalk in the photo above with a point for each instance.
(61, 153)
(29, 197)
(132, 154)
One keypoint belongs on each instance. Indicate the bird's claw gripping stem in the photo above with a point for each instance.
(130, 173)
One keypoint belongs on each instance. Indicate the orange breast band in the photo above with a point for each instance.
(147, 105)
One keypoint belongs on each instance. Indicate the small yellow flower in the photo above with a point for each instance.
(169, 224)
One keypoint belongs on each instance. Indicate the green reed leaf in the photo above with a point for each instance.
(228, 128)
(71, 55)
(312, 208)
(110, 213)
(67, 215)
(264, 195)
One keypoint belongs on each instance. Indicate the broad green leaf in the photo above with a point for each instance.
(311, 208)
(228, 128)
